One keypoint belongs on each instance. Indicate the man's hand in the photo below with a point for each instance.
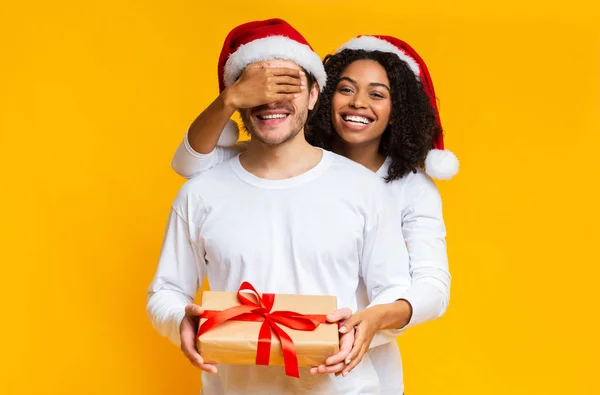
(261, 84)
(335, 363)
(187, 332)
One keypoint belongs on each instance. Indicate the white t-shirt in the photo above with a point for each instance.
(317, 233)
(417, 199)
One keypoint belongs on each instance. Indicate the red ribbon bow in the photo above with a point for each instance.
(261, 311)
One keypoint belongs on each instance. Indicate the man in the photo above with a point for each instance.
(283, 215)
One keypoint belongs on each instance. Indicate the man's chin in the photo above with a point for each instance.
(270, 140)
(272, 137)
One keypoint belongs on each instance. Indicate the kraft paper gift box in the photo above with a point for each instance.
(236, 342)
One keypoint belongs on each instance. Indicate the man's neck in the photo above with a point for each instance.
(282, 161)
(366, 154)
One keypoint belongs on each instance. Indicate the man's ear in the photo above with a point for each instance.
(313, 96)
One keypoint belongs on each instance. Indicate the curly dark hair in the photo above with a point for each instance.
(408, 138)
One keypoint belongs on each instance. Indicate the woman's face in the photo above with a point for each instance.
(362, 103)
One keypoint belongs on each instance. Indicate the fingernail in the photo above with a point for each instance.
(348, 361)
(303, 87)
(296, 95)
(302, 72)
(303, 82)
(343, 329)
(344, 374)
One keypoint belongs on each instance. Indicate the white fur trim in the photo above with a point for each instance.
(274, 47)
(441, 164)
(229, 135)
(370, 43)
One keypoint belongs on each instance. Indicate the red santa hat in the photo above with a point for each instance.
(440, 163)
(259, 41)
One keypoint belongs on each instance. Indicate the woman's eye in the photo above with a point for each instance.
(377, 95)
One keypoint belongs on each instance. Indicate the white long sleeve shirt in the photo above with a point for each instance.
(317, 233)
(418, 200)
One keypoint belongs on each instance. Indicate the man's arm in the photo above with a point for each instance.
(180, 272)
(385, 271)
(385, 261)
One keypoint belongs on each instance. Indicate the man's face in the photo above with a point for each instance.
(276, 123)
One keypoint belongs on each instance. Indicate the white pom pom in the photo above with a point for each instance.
(229, 135)
(441, 164)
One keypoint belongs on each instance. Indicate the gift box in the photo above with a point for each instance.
(248, 328)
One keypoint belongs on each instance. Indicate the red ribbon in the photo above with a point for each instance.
(260, 311)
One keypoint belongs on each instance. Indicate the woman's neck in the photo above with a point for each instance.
(366, 154)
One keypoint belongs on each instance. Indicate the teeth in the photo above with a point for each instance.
(356, 118)
(272, 116)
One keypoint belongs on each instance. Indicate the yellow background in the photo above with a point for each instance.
(96, 96)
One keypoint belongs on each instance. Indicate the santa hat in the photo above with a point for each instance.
(440, 163)
(259, 41)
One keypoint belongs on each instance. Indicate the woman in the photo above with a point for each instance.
(378, 109)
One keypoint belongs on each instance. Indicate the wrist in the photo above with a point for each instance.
(227, 100)
(395, 315)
